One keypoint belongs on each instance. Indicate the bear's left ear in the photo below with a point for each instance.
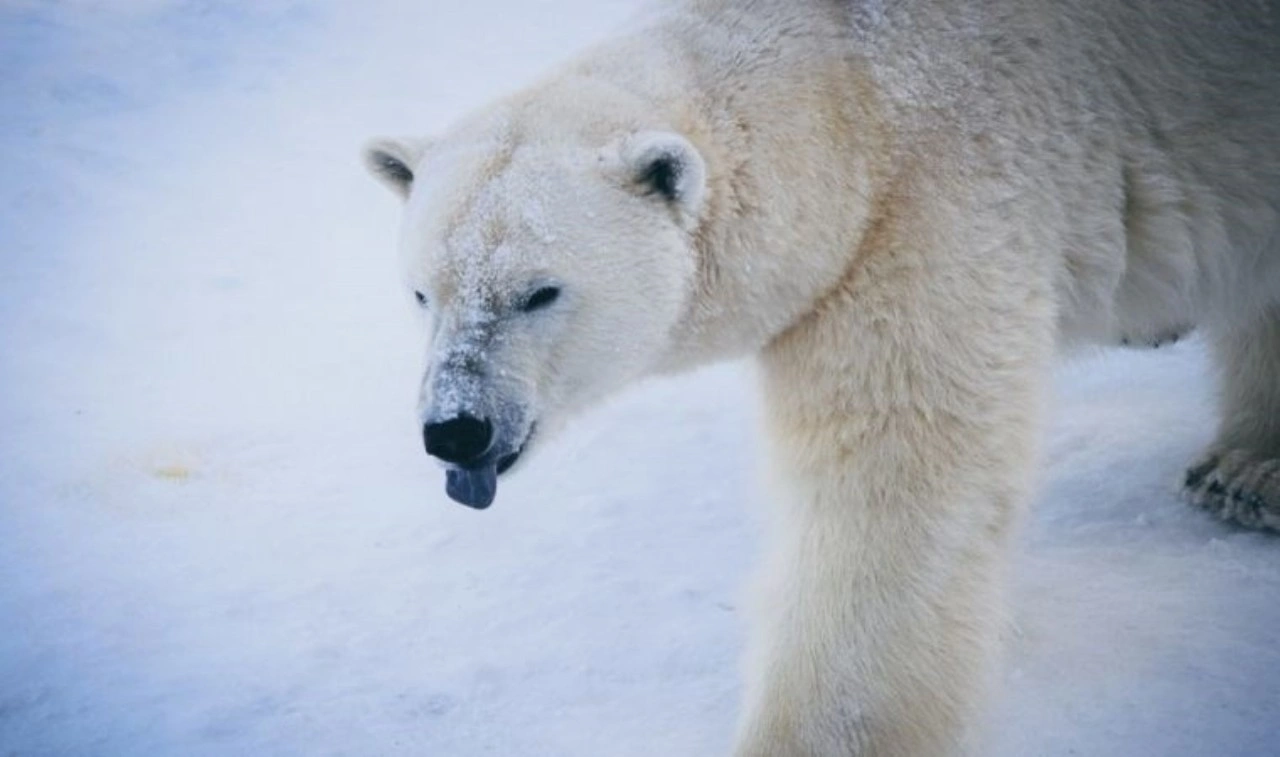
(667, 165)
(393, 161)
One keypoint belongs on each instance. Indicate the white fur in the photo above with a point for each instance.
(904, 209)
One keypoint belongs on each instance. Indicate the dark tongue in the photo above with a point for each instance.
(472, 487)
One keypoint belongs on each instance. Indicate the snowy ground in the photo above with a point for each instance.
(219, 536)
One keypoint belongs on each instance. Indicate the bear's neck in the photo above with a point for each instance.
(794, 139)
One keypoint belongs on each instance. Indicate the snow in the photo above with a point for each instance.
(218, 532)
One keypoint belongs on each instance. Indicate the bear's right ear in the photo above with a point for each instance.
(393, 161)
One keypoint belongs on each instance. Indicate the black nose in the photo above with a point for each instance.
(460, 439)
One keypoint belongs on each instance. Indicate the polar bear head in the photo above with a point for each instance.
(577, 236)
(553, 254)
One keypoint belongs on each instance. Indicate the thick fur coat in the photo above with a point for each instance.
(905, 209)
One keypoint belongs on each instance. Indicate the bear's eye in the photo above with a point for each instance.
(541, 298)
(421, 298)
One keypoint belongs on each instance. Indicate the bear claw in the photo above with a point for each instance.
(1172, 336)
(1238, 487)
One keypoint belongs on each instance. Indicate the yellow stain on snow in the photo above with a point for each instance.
(176, 472)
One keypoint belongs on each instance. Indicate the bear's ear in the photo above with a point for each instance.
(667, 165)
(393, 161)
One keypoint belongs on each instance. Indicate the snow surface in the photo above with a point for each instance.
(218, 533)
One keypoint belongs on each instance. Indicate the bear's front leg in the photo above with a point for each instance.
(903, 416)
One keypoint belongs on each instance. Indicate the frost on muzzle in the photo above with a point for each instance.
(471, 423)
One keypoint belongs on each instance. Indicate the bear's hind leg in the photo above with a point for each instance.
(1238, 479)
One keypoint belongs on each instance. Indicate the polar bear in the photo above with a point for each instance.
(905, 210)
